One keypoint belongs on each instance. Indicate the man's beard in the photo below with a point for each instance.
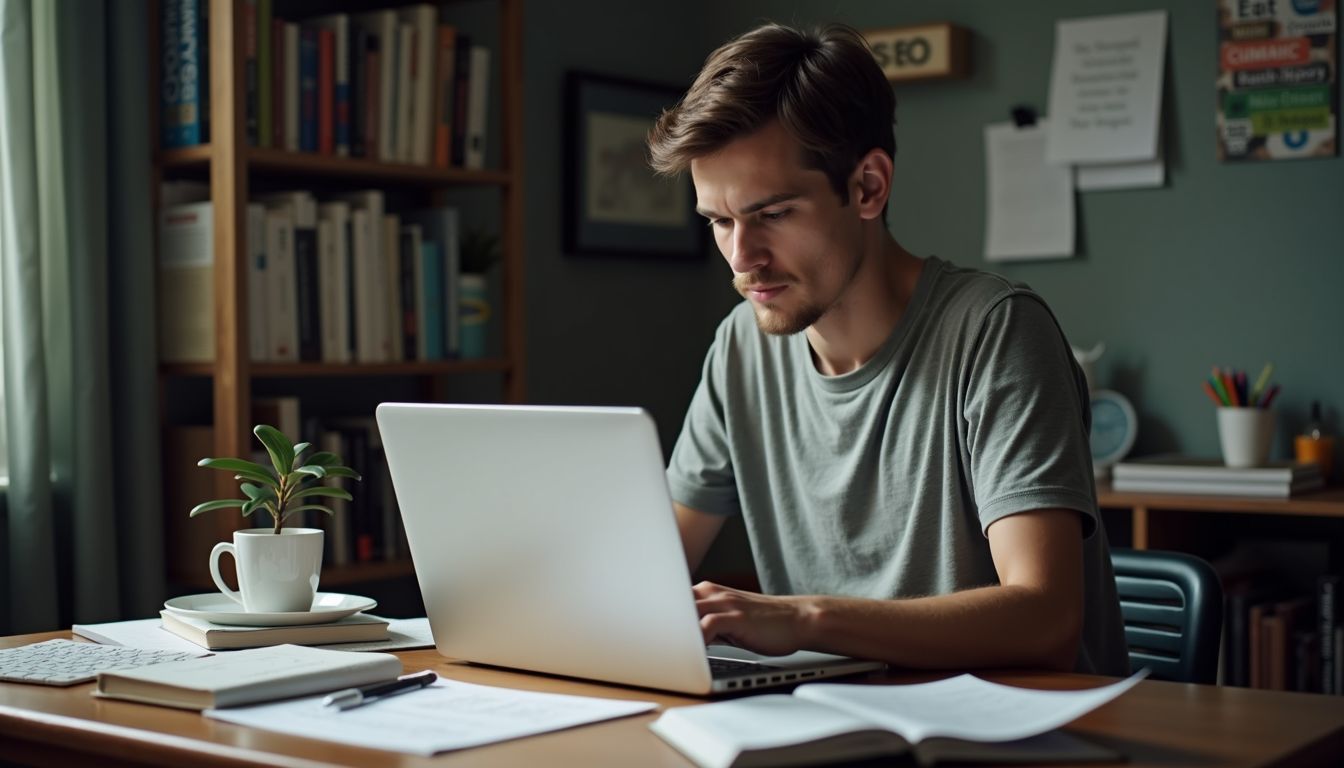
(774, 321)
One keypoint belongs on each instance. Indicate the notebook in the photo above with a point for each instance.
(544, 539)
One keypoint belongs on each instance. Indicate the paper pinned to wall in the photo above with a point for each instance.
(1029, 203)
(1106, 88)
(1144, 173)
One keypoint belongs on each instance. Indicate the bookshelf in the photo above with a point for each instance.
(234, 169)
(1150, 529)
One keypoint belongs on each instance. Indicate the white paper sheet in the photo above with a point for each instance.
(138, 633)
(1106, 88)
(403, 634)
(965, 707)
(1145, 173)
(1028, 203)
(446, 715)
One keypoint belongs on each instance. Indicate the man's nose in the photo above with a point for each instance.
(748, 251)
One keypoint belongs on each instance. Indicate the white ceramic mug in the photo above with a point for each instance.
(1245, 435)
(277, 573)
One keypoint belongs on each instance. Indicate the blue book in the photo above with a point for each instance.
(183, 66)
(308, 89)
(431, 298)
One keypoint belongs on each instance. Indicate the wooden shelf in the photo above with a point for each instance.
(1324, 503)
(319, 370)
(308, 164)
(355, 573)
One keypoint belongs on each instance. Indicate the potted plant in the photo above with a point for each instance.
(282, 488)
(479, 251)
(280, 572)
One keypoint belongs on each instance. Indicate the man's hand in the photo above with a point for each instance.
(766, 624)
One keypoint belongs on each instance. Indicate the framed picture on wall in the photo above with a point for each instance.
(614, 204)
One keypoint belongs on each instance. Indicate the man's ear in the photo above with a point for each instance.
(870, 184)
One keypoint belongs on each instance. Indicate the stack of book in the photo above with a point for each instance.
(1181, 474)
(360, 627)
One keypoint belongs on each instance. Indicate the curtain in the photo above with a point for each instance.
(81, 532)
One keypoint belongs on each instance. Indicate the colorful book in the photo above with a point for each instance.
(184, 76)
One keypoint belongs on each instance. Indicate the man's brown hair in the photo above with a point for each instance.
(823, 85)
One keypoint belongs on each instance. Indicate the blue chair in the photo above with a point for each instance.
(1172, 604)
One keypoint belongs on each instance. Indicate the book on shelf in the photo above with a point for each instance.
(247, 677)
(185, 76)
(216, 637)
(959, 719)
(186, 283)
(1182, 474)
(477, 102)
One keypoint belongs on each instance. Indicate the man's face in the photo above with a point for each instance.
(793, 248)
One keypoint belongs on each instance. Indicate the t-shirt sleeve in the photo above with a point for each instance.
(1026, 420)
(700, 474)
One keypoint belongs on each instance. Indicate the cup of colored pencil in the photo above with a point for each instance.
(1245, 421)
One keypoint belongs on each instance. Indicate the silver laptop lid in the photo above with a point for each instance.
(544, 539)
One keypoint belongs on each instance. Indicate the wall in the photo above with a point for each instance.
(1226, 265)
(609, 331)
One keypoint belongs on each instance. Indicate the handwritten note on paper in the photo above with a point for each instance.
(1106, 88)
(446, 715)
(1028, 203)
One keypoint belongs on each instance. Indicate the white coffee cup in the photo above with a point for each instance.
(1245, 435)
(277, 572)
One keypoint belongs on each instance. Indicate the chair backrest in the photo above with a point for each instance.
(1172, 605)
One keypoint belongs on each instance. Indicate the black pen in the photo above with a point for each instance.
(354, 697)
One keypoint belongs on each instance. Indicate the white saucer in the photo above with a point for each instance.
(215, 607)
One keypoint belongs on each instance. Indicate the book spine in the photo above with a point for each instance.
(279, 68)
(306, 293)
(445, 63)
(406, 288)
(265, 73)
(256, 282)
(1327, 615)
(307, 89)
(478, 100)
(341, 32)
(326, 92)
(180, 92)
(431, 300)
(251, 95)
(462, 76)
(358, 92)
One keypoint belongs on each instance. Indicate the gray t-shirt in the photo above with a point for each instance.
(880, 482)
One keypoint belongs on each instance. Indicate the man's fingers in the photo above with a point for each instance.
(719, 626)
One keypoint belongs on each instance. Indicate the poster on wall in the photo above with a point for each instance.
(1277, 98)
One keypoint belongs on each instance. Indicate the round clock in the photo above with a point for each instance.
(1114, 427)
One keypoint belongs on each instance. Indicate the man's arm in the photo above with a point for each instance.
(698, 530)
(1032, 618)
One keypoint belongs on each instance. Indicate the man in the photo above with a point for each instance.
(906, 440)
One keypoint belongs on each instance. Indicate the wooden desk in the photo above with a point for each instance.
(1155, 724)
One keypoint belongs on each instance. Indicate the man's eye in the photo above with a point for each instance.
(774, 215)
(719, 222)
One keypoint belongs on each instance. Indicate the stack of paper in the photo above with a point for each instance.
(1180, 474)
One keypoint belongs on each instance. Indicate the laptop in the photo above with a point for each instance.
(544, 539)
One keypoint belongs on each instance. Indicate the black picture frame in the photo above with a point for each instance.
(614, 205)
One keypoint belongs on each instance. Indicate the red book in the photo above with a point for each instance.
(326, 91)
(446, 55)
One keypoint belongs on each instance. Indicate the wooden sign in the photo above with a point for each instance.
(927, 52)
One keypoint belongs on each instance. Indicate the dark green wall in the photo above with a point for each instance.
(1225, 265)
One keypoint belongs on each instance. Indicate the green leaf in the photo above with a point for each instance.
(323, 490)
(301, 447)
(257, 492)
(315, 507)
(323, 459)
(277, 445)
(253, 506)
(218, 504)
(311, 469)
(343, 472)
(246, 469)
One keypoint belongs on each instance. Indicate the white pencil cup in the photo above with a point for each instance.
(1245, 435)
